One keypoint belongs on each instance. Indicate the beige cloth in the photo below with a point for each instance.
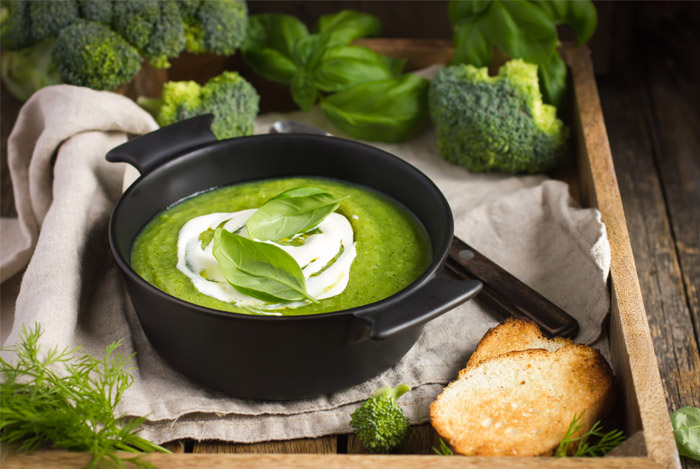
(65, 190)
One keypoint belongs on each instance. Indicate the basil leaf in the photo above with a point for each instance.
(291, 212)
(386, 110)
(270, 42)
(581, 15)
(552, 77)
(472, 44)
(521, 30)
(347, 66)
(459, 10)
(303, 90)
(260, 270)
(686, 429)
(309, 50)
(347, 25)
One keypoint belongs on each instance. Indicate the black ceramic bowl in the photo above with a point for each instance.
(264, 357)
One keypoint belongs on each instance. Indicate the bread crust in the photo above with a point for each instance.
(522, 401)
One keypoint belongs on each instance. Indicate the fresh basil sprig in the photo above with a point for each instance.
(280, 48)
(290, 212)
(686, 429)
(524, 29)
(387, 110)
(260, 270)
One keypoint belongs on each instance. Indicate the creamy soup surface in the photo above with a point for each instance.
(368, 249)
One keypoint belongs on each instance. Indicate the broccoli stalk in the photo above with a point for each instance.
(496, 123)
(379, 422)
(232, 100)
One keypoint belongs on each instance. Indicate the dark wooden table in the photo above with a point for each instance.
(648, 61)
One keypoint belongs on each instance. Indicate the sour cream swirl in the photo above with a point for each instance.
(325, 255)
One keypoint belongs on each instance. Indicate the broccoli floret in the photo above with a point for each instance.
(134, 20)
(168, 35)
(25, 71)
(96, 10)
(49, 17)
(214, 26)
(152, 26)
(379, 422)
(232, 100)
(15, 25)
(496, 123)
(90, 54)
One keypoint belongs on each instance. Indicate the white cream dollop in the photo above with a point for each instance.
(321, 245)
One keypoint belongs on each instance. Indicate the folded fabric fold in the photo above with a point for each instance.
(65, 191)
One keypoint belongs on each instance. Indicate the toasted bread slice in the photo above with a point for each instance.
(513, 334)
(522, 402)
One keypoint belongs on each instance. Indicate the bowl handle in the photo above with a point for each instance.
(434, 298)
(153, 149)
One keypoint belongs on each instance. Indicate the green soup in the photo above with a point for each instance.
(392, 247)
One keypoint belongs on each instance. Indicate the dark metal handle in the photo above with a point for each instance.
(436, 297)
(158, 147)
(505, 292)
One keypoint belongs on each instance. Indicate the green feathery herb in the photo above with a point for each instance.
(72, 409)
(604, 444)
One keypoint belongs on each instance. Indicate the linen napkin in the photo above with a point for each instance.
(65, 190)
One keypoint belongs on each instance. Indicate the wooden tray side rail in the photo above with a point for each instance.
(633, 359)
(632, 351)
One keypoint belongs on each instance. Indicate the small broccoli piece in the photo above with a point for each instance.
(379, 422)
(25, 71)
(214, 26)
(50, 17)
(495, 123)
(15, 25)
(90, 54)
(232, 100)
(96, 10)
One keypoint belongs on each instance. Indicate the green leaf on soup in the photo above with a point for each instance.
(386, 110)
(294, 211)
(260, 270)
(345, 26)
(686, 429)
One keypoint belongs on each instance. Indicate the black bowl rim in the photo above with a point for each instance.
(413, 288)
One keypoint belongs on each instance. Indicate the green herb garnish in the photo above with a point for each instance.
(604, 444)
(291, 212)
(686, 429)
(444, 449)
(260, 270)
(72, 409)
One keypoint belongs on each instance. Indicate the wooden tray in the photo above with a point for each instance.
(641, 402)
